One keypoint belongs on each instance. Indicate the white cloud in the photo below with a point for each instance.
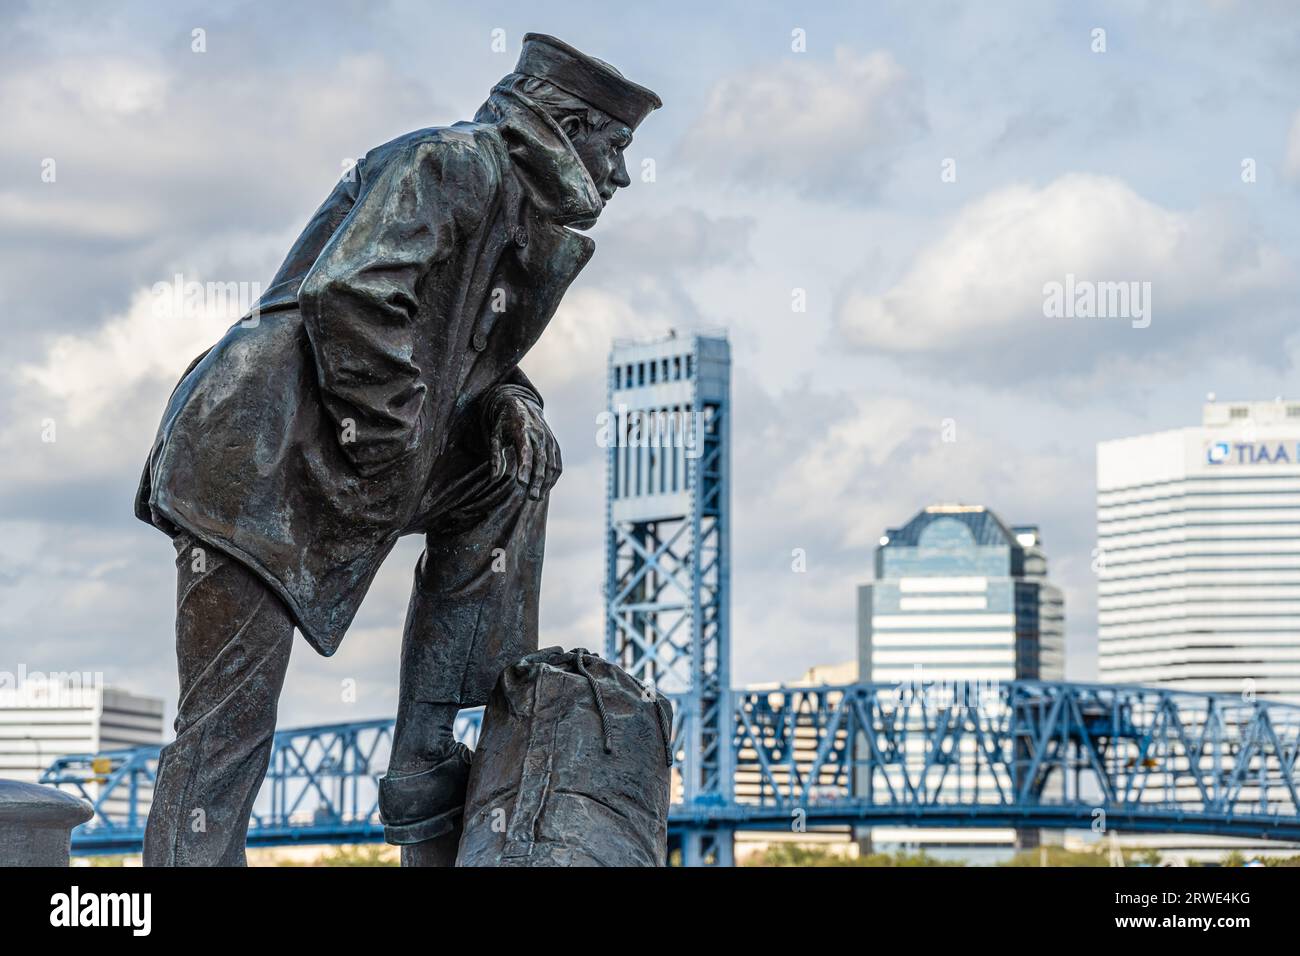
(1291, 163)
(35, 215)
(90, 374)
(828, 473)
(974, 297)
(113, 130)
(113, 87)
(664, 244)
(821, 128)
(575, 346)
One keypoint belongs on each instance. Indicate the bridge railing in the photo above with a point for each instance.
(1025, 753)
(321, 786)
(1021, 752)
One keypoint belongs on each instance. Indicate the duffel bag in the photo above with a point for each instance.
(571, 769)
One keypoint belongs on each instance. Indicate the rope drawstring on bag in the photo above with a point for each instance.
(665, 729)
(578, 654)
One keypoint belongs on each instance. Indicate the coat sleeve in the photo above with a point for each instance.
(516, 376)
(513, 384)
(359, 302)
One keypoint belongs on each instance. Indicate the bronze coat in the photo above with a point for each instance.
(303, 441)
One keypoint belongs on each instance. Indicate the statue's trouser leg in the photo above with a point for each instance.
(233, 638)
(474, 606)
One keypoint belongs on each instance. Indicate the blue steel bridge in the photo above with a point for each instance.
(1027, 754)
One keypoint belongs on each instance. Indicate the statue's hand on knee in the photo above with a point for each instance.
(522, 444)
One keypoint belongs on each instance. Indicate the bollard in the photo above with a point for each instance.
(36, 824)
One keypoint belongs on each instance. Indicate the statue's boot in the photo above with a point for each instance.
(421, 806)
(438, 852)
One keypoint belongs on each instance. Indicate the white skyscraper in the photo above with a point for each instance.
(46, 717)
(1198, 534)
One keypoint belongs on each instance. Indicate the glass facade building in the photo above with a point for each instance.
(960, 600)
(960, 596)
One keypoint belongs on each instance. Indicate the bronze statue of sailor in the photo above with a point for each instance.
(375, 392)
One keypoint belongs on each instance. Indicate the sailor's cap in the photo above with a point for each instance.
(593, 81)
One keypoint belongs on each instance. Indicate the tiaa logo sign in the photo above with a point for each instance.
(1252, 453)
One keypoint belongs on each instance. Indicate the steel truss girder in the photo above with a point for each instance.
(1030, 754)
(1026, 754)
(321, 787)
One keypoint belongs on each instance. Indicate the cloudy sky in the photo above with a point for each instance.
(918, 169)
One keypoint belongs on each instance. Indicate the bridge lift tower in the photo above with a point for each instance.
(667, 538)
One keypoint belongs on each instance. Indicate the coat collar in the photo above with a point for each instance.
(554, 180)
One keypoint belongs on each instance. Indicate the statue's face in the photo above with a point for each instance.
(601, 152)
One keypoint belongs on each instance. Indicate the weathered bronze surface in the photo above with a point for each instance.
(572, 768)
(374, 392)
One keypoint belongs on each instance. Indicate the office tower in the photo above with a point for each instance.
(960, 601)
(48, 716)
(1198, 533)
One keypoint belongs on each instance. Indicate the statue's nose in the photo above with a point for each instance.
(620, 177)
